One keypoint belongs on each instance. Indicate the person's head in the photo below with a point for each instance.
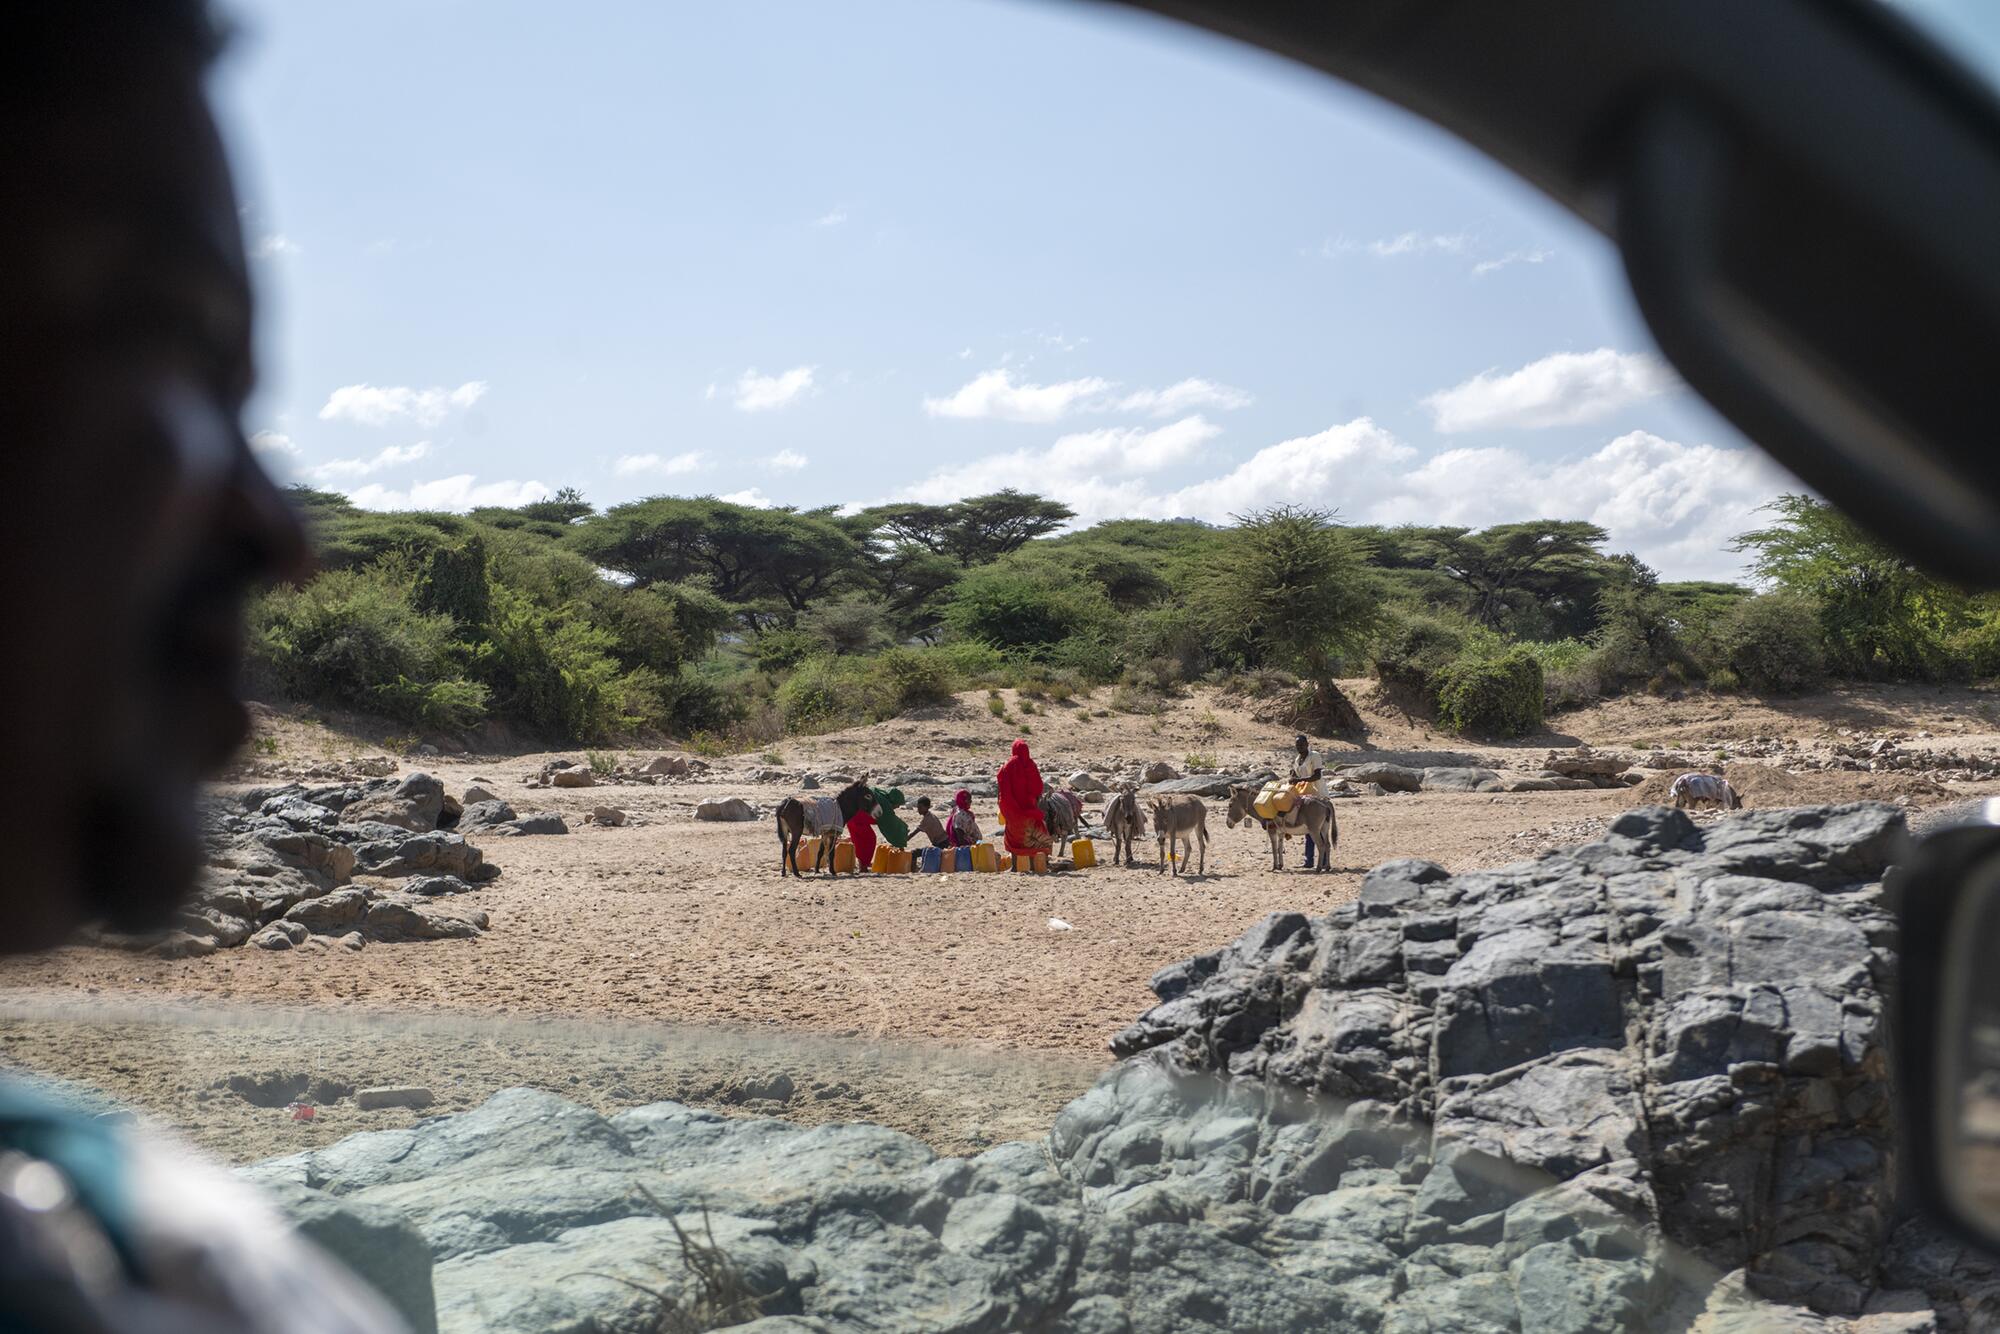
(923, 805)
(1301, 743)
(1020, 750)
(141, 519)
(962, 799)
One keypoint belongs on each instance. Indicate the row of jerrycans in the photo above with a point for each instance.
(978, 857)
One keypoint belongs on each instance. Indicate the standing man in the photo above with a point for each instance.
(1308, 768)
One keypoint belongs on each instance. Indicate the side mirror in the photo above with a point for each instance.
(1948, 1026)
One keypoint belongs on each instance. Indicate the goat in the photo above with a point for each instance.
(1309, 815)
(1124, 823)
(1180, 818)
(1689, 789)
(795, 816)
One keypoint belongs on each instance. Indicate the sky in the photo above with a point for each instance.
(791, 253)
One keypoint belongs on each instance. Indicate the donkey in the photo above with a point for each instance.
(1689, 789)
(1059, 814)
(796, 816)
(1309, 815)
(1124, 823)
(1180, 818)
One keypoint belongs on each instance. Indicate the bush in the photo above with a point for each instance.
(352, 637)
(850, 625)
(904, 678)
(1409, 654)
(1027, 613)
(777, 651)
(553, 672)
(1497, 696)
(1082, 658)
(822, 693)
(974, 664)
(1771, 643)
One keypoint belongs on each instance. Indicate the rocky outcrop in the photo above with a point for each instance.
(282, 862)
(1637, 1084)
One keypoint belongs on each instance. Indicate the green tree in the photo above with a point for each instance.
(779, 558)
(1028, 611)
(973, 531)
(453, 581)
(1547, 572)
(1293, 589)
(1882, 617)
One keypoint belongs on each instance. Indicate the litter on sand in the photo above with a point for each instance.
(1058, 924)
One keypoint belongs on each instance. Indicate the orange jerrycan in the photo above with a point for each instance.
(843, 857)
(1084, 851)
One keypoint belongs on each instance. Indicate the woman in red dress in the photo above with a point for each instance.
(861, 831)
(1020, 785)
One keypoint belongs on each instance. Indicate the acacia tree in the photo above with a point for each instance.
(1882, 616)
(770, 562)
(1293, 589)
(975, 531)
(1550, 570)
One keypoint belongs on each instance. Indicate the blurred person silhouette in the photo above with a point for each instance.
(139, 524)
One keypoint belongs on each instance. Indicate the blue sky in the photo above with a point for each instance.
(805, 254)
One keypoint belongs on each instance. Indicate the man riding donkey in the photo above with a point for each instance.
(1300, 807)
(1027, 834)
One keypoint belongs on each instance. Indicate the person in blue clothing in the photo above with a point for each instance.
(141, 522)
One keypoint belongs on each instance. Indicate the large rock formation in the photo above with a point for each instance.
(1639, 1084)
(282, 861)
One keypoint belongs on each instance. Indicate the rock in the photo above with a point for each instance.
(436, 853)
(1390, 777)
(572, 778)
(727, 809)
(541, 822)
(332, 914)
(370, 1239)
(277, 937)
(1445, 778)
(808, 783)
(354, 940)
(608, 816)
(909, 778)
(404, 917)
(1159, 771)
(1525, 783)
(436, 886)
(414, 804)
(1204, 785)
(1583, 762)
(476, 794)
(393, 1095)
(669, 766)
(1085, 781)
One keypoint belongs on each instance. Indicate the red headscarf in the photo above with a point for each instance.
(1020, 788)
(962, 799)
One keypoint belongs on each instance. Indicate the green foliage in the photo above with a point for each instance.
(1290, 589)
(850, 624)
(822, 693)
(1027, 612)
(1528, 577)
(1413, 647)
(747, 555)
(602, 762)
(453, 582)
(1492, 696)
(1770, 644)
(1881, 617)
(973, 531)
(905, 678)
(555, 673)
(776, 651)
(353, 638)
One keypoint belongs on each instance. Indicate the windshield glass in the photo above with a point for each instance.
(1007, 667)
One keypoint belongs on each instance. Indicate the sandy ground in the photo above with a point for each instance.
(667, 958)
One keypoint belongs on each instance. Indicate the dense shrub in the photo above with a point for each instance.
(453, 581)
(1412, 649)
(555, 673)
(905, 678)
(1027, 613)
(1497, 696)
(353, 638)
(824, 692)
(849, 625)
(1771, 644)
(779, 650)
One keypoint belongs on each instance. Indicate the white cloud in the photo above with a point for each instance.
(1563, 389)
(1535, 256)
(461, 492)
(1677, 506)
(763, 393)
(995, 394)
(1177, 398)
(786, 460)
(392, 457)
(751, 496)
(274, 444)
(1077, 459)
(378, 405)
(275, 245)
(964, 353)
(669, 466)
(831, 218)
(1420, 243)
